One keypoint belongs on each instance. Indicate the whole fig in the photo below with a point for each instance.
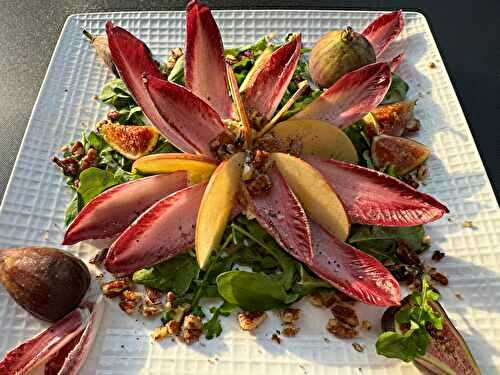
(337, 53)
(48, 283)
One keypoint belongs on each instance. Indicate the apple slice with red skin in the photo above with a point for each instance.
(315, 137)
(279, 211)
(216, 206)
(198, 167)
(314, 193)
(165, 230)
(204, 67)
(115, 209)
(383, 30)
(352, 271)
(270, 81)
(351, 97)
(133, 61)
(403, 153)
(186, 112)
(375, 198)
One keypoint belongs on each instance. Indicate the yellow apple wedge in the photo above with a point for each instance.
(318, 199)
(216, 206)
(317, 138)
(198, 167)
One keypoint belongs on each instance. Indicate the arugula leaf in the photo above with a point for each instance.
(71, 211)
(174, 275)
(163, 147)
(397, 91)
(412, 343)
(94, 181)
(115, 93)
(358, 139)
(252, 291)
(258, 46)
(213, 327)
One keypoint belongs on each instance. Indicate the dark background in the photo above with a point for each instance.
(467, 34)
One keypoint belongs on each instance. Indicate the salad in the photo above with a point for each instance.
(247, 179)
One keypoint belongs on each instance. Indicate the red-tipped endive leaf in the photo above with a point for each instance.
(396, 61)
(352, 271)
(78, 355)
(45, 345)
(280, 212)
(186, 112)
(383, 30)
(270, 82)
(133, 60)
(160, 233)
(372, 197)
(115, 209)
(351, 97)
(53, 366)
(204, 67)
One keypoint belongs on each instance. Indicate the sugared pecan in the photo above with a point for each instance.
(153, 296)
(341, 330)
(191, 328)
(77, 149)
(289, 315)
(129, 301)
(69, 166)
(251, 320)
(437, 255)
(289, 330)
(440, 278)
(324, 298)
(407, 255)
(345, 314)
(259, 184)
(115, 288)
(151, 310)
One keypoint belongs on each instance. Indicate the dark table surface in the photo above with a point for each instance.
(466, 33)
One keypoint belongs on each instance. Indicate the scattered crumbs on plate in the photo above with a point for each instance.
(468, 224)
(260, 351)
(95, 97)
(450, 219)
(211, 361)
(201, 344)
(45, 236)
(99, 276)
(216, 359)
(366, 325)
(276, 338)
(360, 369)
(459, 296)
(432, 65)
(122, 346)
(303, 368)
(326, 339)
(358, 347)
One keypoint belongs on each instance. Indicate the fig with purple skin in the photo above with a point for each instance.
(48, 283)
(403, 153)
(337, 53)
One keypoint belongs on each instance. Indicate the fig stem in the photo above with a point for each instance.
(348, 34)
(301, 88)
(88, 35)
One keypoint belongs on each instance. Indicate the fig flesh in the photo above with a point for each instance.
(337, 53)
(393, 118)
(47, 282)
(403, 153)
(447, 352)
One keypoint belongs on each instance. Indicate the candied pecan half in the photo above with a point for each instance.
(341, 330)
(115, 288)
(251, 320)
(345, 314)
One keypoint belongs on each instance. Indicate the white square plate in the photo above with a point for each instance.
(32, 209)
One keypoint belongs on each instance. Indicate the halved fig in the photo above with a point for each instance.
(352, 271)
(46, 282)
(133, 60)
(447, 352)
(186, 113)
(314, 137)
(403, 153)
(318, 198)
(130, 141)
(279, 211)
(198, 167)
(166, 229)
(375, 198)
(216, 206)
(115, 209)
(383, 30)
(264, 92)
(204, 69)
(351, 97)
(393, 118)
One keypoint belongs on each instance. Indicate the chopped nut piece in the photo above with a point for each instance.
(407, 255)
(128, 307)
(324, 298)
(251, 320)
(366, 325)
(115, 288)
(151, 310)
(129, 300)
(159, 333)
(422, 173)
(289, 330)
(468, 224)
(153, 296)
(191, 328)
(276, 338)
(432, 65)
(459, 296)
(341, 330)
(358, 347)
(290, 315)
(345, 314)
(99, 257)
(173, 327)
(440, 278)
(437, 255)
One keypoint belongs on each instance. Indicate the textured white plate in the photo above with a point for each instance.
(32, 209)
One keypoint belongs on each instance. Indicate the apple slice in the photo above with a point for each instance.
(317, 138)
(198, 167)
(216, 207)
(315, 194)
(115, 209)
